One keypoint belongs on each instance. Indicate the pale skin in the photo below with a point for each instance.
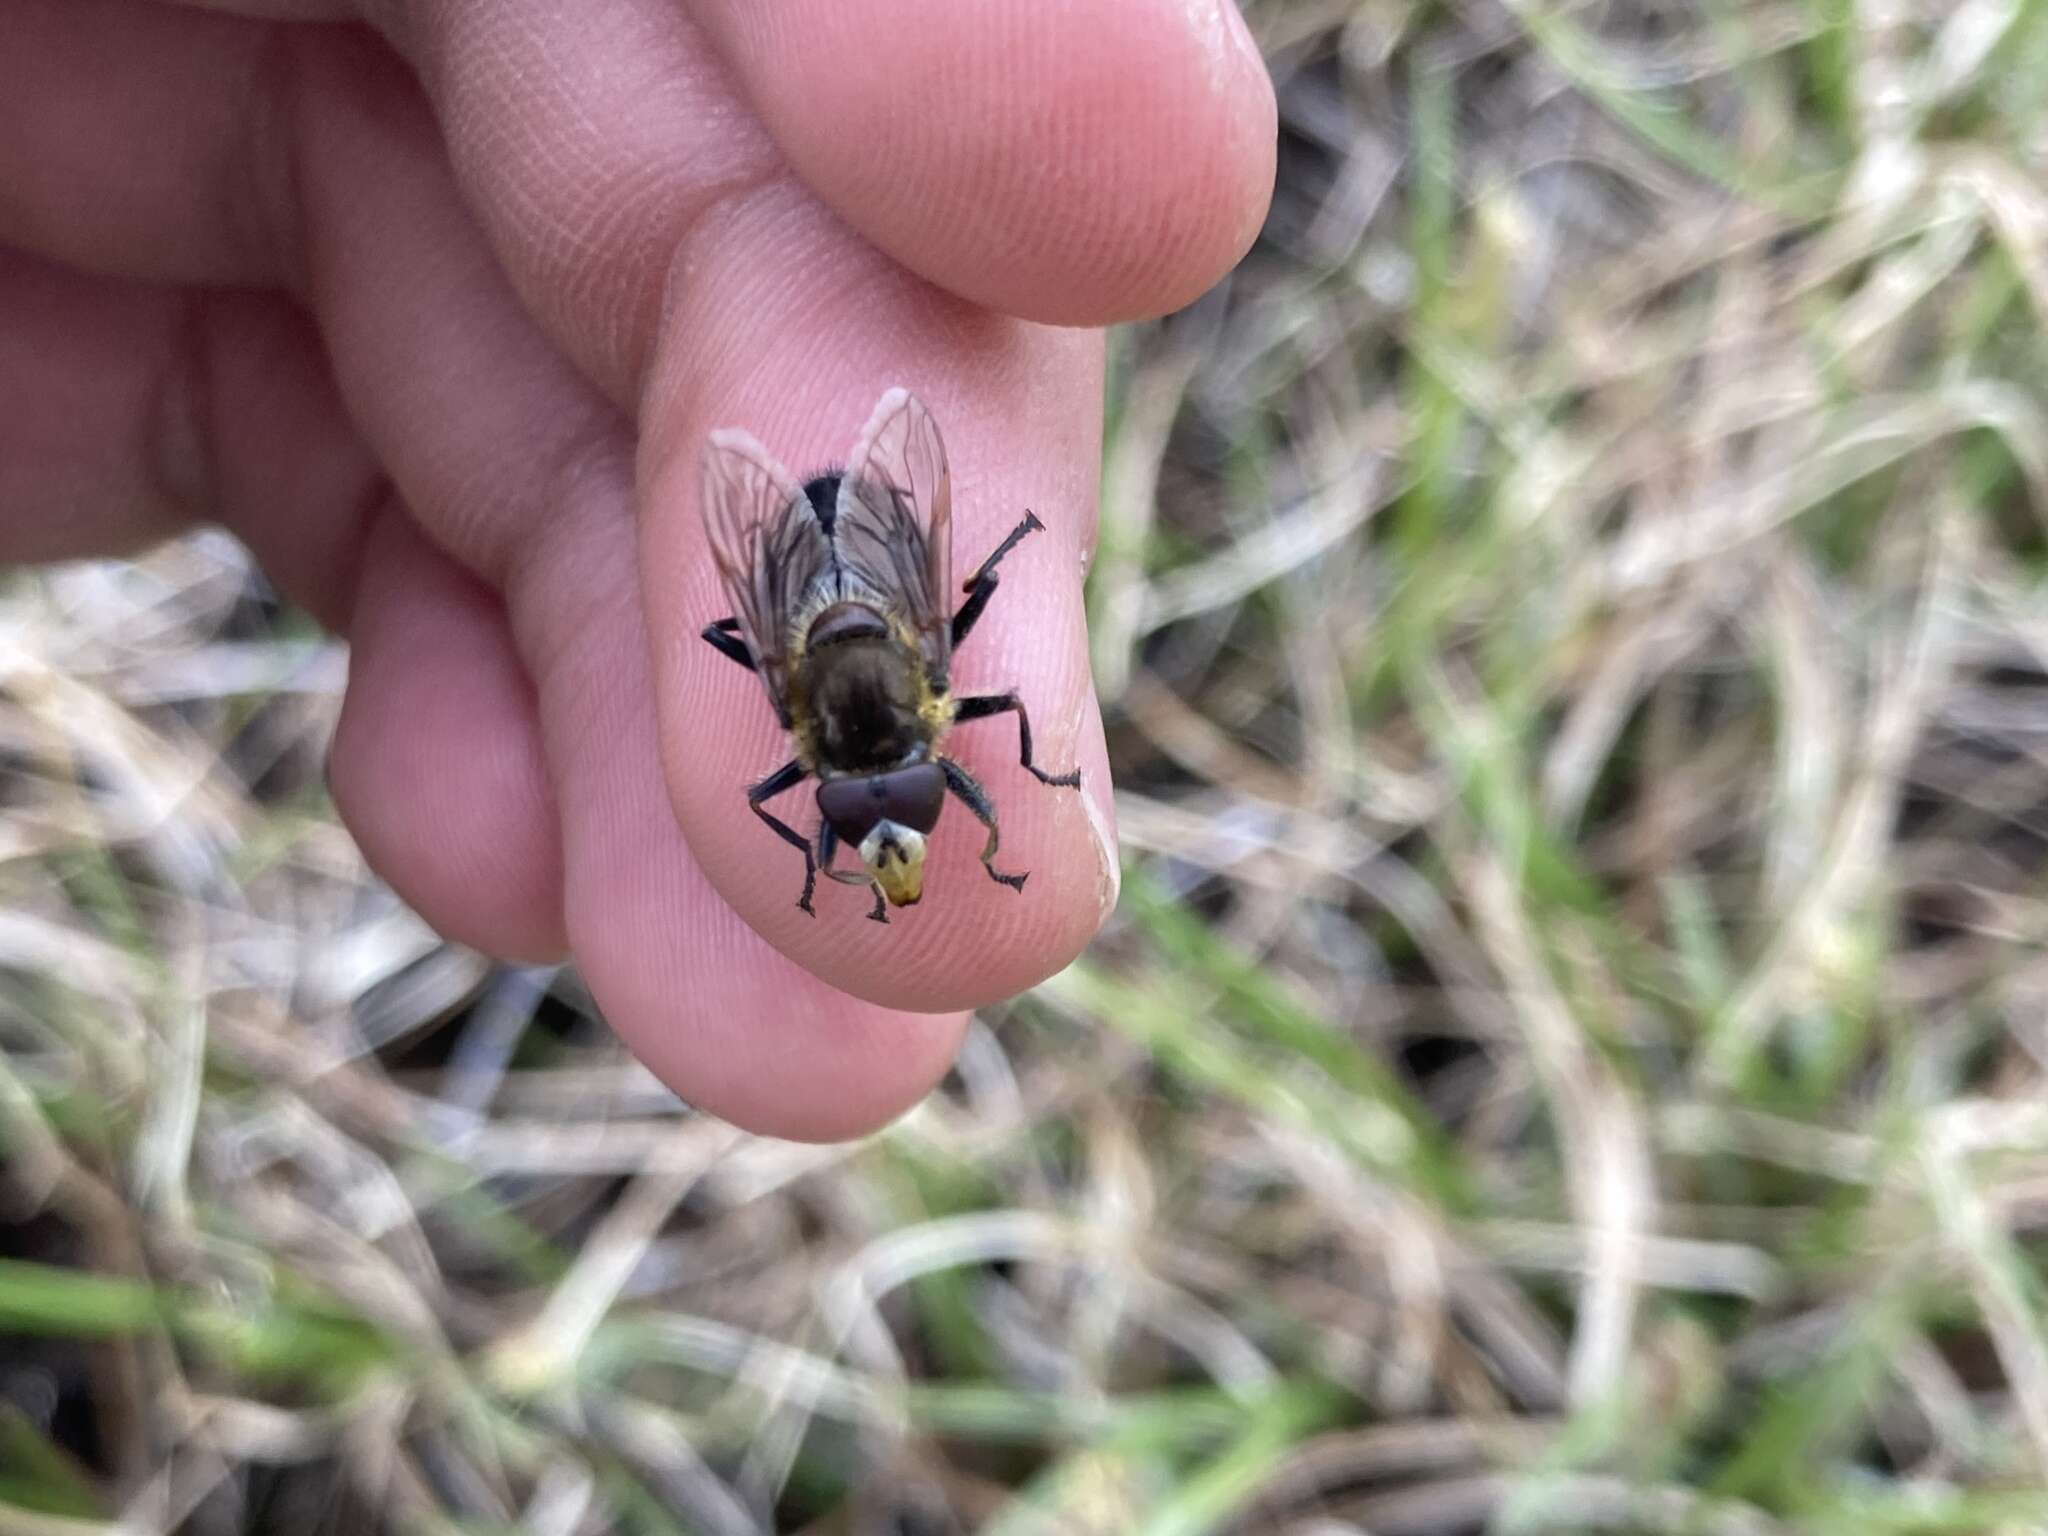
(434, 302)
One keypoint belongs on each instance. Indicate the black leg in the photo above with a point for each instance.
(788, 776)
(1001, 704)
(975, 798)
(723, 635)
(981, 586)
(828, 850)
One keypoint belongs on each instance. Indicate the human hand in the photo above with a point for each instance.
(435, 312)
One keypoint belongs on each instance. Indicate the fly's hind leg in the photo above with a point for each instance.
(788, 776)
(981, 586)
(975, 798)
(828, 850)
(1002, 704)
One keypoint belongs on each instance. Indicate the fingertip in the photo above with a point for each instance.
(830, 1068)
(733, 1027)
(970, 941)
(1129, 171)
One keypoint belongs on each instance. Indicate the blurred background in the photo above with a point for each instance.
(1570, 1054)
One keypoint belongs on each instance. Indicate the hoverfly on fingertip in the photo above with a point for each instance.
(840, 587)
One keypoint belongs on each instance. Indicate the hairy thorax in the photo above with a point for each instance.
(861, 706)
(860, 694)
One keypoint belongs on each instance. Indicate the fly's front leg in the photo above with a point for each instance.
(828, 850)
(788, 776)
(975, 798)
(981, 586)
(1002, 704)
(723, 636)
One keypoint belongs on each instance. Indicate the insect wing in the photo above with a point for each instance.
(768, 547)
(893, 529)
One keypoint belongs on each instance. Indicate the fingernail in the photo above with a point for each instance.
(1097, 802)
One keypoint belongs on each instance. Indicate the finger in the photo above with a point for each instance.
(436, 765)
(1127, 176)
(127, 411)
(1078, 162)
(789, 318)
(770, 342)
(145, 141)
(1071, 161)
(85, 466)
(131, 410)
(158, 142)
(514, 461)
(503, 454)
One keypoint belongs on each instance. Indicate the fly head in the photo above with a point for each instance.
(885, 817)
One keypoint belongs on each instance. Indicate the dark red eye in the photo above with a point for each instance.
(911, 797)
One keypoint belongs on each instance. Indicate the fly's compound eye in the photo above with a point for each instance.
(910, 797)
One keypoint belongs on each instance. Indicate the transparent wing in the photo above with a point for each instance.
(768, 547)
(893, 529)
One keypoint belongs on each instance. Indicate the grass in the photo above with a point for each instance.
(1570, 1055)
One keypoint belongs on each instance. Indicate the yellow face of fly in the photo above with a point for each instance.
(894, 856)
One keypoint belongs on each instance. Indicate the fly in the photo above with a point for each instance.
(840, 590)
